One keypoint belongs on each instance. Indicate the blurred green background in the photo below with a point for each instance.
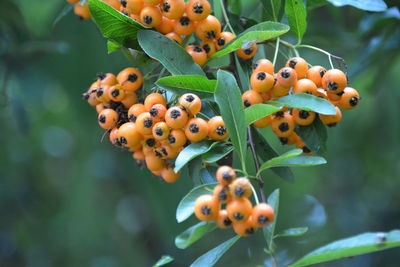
(68, 199)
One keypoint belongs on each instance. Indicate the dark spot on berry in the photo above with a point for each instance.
(171, 139)
(166, 7)
(206, 210)
(340, 94)
(101, 76)
(123, 140)
(147, 19)
(283, 127)
(164, 151)
(239, 191)
(246, 103)
(227, 176)
(330, 125)
(284, 140)
(306, 149)
(125, 13)
(187, 143)
(222, 195)
(227, 222)
(197, 49)
(353, 101)
(255, 65)
(159, 131)
(238, 216)
(153, 112)
(148, 123)
(189, 98)
(285, 74)
(194, 128)
(158, 154)
(221, 41)
(117, 142)
(275, 81)
(211, 35)
(115, 93)
(279, 114)
(292, 63)
(221, 130)
(175, 114)
(304, 114)
(184, 21)
(207, 48)
(132, 118)
(132, 77)
(99, 92)
(262, 219)
(322, 73)
(333, 86)
(248, 51)
(197, 8)
(102, 119)
(250, 231)
(261, 76)
(123, 3)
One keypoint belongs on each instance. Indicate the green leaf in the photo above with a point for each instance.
(266, 152)
(112, 47)
(228, 97)
(306, 102)
(255, 34)
(352, 246)
(369, 5)
(194, 169)
(302, 161)
(258, 111)
(311, 4)
(208, 175)
(114, 25)
(217, 153)
(275, 161)
(193, 234)
(210, 258)
(314, 135)
(164, 260)
(269, 231)
(272, 7)
(188, 83)
(186, 206)
(169, 53)
(192, 151)
(244, 69)
(292, 232)
(67, 8)
(297, 17)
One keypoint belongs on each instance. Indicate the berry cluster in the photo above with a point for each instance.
(296, 77)
(153, 130)
(229, 205)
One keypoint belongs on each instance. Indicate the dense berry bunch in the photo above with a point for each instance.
(176, 19)
(229, 205)
(296, 77)
(152, 129)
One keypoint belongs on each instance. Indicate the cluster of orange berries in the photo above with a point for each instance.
(229, 205)
(296, 77)
(152, 130)
(174, 19)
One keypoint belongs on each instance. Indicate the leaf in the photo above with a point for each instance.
(196, 84)
(255, 34)
(186, 206)
(258, 111)
(273, 201)
(114, 25)
(272, 7)
(217, 153)
(192, 151)
(301, 161)
(276, 160)
(292, 232)
(266, 152)
(352, 246)
(210, 258)
(314, 135)
(244, 69)
(369, 5)
(208, 175)
(306, 102)
(311, 4)
(297, 17)
(194, 169)
(228, 97)
(170, 54)
(164, 260)
(67, 8)
(112, 47)
(193, 234)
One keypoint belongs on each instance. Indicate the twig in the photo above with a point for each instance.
(226, 16)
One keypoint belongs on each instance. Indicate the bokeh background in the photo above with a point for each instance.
(68, 199)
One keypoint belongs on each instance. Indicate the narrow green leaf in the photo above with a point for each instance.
(192, 151)
(244, 69)
(217, 153)
(266, 152)
(164, 260)
(112, 47)
(210, 258)
(208, 175)
(186, 206)
(228, 97)
(170, 54)
(193, 234)
(114, 25)
(217, 9)
(189, 82)
(275, 161)
(269, 231)
(301, 161)
(67, 8)
(297, 17)
(194, 169)
(258, 111)
(352, 246)
(314, 135)
(306, 102)
(255, 34)
(292, 232)
(272, 8)
(369, 5)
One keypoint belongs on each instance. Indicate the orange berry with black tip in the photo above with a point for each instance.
(177, 138)
(169, 175)
(251, 97)
(262, 81)
(129, 100)
(129, 136)
(248, 52)
(334, 97)
(131, 79)
(154, 163)
(172, 9)
(279, 90)
(150, 16)
(154, 98)
(263, 214)
(222, 193)
(305, 86)
(176, 118)
(246, 228)
(209, 47)
(196, 130)
(349, 99)
(209, 28)
(299, 65)
(116, 93)
(206, 208)
(241, 188)
(158, 112)
(106, 79)
(198, 10)
(331, 120)
(191, 103)
(223, 39)
(82, 11)
(287, 77)
(239, 209)
(113, 137)
(315, 74)
(290, 140)
(225, 175)
(145, 123)
(283, 126)
(334, 81)
(134, 6)
(160, 131)
(197, 53)
(108, 118)
(166, 26)
(134, 111)
(303, 117)
(263, 65)
(184, 26)
(175, 37)
(223, 220)
(216, 129)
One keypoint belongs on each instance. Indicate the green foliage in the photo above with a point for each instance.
(163, 261)
(277, 160)
(112, 47)
(192, 151)
(369, 5)
(352, 246)
(193, 234)
(258, 111)
(183, 84)
(297, 17)
(314, 135)
(216, 153)
(293, 232)
(269, 231)
(272, 7)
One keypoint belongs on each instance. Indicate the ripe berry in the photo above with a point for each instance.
(263, 122)
(176, 118)
(334, 81)
(196, 130)
(152, 2)
(251, 97)
(283, 126)
(139, 155)
(350, 98)
(172, 9)
(206, 208)
(303, 117)
(177, 138)
(106, 79)
(184, 26)
(248, 52)
(216, 129)
(331, 120)
(299, 65)
(108, 118)
(160, 131)
(209, 28)
(130, 79)
(166, 26)
(158, 112)
(240, 188)
(134, 6)
(114, 138)
(198, 10)
(223, 220)
(169, 175)
(154, 163)
(263, 214)
(129, 99)
(134, 111)
(197, 53)
(128, 134)
(145, 123)
(239, 209)
(279, 90)
(152, 99)
(264, 65)
(191, 103)
(150, 16)
(222, 194)
(262, 81)
(209, 47)
(82, 11)
(223, 39)
(116, 93)
(175, 37)
(246, 228)
(305, 86)
(315, 74)
(287, 77)
(225, 175)
(290, 140)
